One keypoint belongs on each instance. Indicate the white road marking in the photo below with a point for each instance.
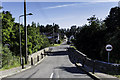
(51, 76)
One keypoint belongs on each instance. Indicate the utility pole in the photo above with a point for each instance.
(25, 31)
(53, 33)
(21, 59)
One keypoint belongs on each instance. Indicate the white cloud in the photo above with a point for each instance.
(70, 5)
(60, 6)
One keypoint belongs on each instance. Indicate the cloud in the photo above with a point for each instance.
(70, 5)
(60, 6)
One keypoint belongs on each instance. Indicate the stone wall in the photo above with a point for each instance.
(78, 57)
(37, 56)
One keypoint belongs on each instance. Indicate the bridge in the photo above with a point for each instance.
(57, 65)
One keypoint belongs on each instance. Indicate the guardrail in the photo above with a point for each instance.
(78, 57)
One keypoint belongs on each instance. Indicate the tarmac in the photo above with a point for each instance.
(16, 70)
(96, 75)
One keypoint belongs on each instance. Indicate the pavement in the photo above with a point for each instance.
(56, 65)
(16, 70)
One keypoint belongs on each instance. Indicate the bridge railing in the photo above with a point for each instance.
(37, 56)
(78, 57)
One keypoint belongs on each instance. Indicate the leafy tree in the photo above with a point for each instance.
(90, 39)
(8, 59)
(42, 29)
(56, 28)
(10, 35)
(9, 31)
(1, 7)
(113, 20)
(6, 56)
(35, 40)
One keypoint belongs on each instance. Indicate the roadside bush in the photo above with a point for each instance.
(7, 59)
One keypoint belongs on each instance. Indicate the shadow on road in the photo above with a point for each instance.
(57, 53)
(73, 70)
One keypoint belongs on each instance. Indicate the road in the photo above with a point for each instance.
(56, 65)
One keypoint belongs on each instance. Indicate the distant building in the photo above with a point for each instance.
(65, 38)
(52, 38)
(56, 37)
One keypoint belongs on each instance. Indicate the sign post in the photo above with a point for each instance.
(108, 48)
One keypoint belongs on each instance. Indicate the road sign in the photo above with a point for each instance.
(109, 47)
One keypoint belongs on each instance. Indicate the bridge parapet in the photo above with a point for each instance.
(37, 56)
(78, 57)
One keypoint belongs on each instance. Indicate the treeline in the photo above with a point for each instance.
(51, 31)
(49, 28)
(91, 39)
(11, 40)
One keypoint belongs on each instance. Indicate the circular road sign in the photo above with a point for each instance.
(108, 47)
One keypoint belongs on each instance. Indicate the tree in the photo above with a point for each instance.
(1, 7)
(56, 28)
(113, 20)
(36, 41)
(9, 32)
(48, 28)
(94, 22)
(90, 38)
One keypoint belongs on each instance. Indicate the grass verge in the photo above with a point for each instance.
(56, 45)
(118, 76)
(9, 67)
(73, 47)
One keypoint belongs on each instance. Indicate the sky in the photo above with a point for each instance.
(65, 14)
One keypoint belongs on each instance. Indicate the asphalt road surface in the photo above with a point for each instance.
(56, 65)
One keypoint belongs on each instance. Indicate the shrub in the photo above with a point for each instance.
(7, 59)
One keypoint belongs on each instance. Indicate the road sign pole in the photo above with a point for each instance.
(108, 56)
(108, 48)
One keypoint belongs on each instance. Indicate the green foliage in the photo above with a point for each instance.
(73, 47)
(10, 32)
(35, 40)
(113, 20)
(55, 45)
(114, 40)
(10, 36)
(8, 60)
(92, 38)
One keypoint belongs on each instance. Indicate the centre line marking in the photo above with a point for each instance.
(51, 76)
